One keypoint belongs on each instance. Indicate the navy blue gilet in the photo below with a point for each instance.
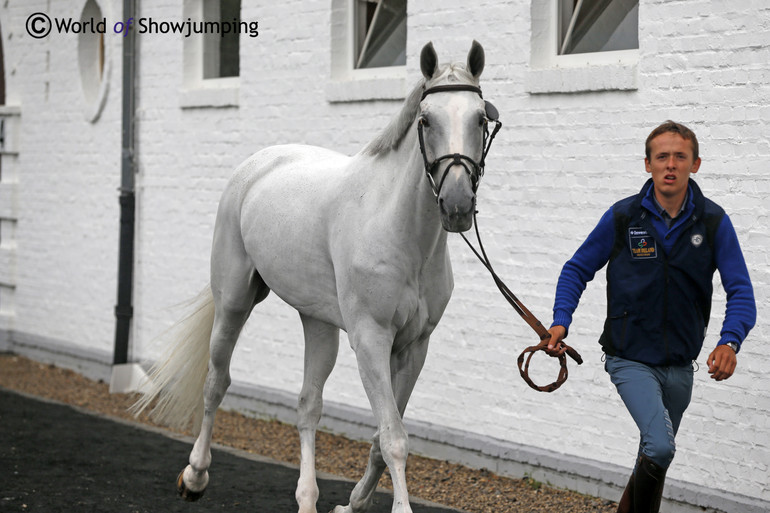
(658, 302)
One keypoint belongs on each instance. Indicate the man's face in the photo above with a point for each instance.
(670, 164)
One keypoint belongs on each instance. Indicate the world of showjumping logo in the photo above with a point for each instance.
(40, 25)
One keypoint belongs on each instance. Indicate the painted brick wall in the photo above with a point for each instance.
(558, 164)
(68, 173)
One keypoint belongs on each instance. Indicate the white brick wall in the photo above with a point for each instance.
(559, 162)
(67, 177)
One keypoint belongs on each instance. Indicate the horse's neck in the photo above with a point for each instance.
(409, 202)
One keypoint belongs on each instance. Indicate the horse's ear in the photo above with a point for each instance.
(476, 59)
(428, 61)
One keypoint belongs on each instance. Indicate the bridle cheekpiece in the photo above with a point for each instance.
(474, 169)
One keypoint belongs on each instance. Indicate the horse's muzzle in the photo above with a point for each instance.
(457, 216)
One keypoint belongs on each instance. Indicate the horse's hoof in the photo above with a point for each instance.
(186, 493)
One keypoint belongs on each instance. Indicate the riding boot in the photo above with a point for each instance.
(625, 505)
(649, 479)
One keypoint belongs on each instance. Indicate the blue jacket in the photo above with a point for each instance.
(659, 279)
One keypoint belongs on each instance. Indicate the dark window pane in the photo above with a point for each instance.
(600, 26)
(384, 26)
(229, 45)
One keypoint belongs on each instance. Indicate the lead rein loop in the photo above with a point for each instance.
(530, 319)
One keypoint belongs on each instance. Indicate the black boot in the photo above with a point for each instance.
(648, 486)
(626, 501)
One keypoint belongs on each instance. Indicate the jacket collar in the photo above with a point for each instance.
(695, 199)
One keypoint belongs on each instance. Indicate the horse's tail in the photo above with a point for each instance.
(177, 379)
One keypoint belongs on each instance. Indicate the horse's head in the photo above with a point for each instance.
(453, 131)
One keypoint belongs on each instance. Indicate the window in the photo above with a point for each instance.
(212, 54)
(92, 62)
(583, 45)
(368, 44)
(598, 26)
(380, 33)
(221, 52)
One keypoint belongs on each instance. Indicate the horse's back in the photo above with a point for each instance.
(288, 180)
(287, 166)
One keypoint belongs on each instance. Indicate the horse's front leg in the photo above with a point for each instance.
(402, 371)
(373, 356)
(405, 368)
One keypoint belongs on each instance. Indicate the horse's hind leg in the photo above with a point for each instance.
(227, 326)
(321, 344)
(236, 287)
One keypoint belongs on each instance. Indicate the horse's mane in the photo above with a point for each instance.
(392, 135)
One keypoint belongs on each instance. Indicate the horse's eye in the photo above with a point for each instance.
(424, 121)
(482, 120)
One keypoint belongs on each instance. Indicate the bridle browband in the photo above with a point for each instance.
(451, 88)
(474, 169)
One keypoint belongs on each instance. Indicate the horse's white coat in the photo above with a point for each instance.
(354, 243)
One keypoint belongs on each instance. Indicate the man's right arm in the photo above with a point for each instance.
(591, 256)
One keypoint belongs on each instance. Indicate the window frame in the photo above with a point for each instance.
(568, 26)
(365, 38)
(348, 83)
(550, 72)
(197, 91)
(212, 43)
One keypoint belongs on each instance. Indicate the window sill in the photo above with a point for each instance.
(212, 93)
(608, 71)
(370, 84)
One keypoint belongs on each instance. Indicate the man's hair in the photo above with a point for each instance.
(677, 128)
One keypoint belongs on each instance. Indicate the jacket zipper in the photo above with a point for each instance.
(665, 309)
(690, 222)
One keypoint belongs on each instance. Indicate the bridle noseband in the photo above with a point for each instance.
(474, 169)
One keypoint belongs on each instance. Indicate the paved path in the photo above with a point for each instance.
(54, 458)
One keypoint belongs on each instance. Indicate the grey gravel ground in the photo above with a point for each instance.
(453, 485)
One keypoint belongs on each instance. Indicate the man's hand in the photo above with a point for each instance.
(722, 362)
(555, 347)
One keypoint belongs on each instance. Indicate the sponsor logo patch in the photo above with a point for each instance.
(641, 243)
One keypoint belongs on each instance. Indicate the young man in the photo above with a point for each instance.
(663, 246)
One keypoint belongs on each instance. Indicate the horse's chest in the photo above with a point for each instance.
(417, 316)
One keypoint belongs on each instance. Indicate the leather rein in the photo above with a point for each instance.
(530, 319)
(476, 170)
